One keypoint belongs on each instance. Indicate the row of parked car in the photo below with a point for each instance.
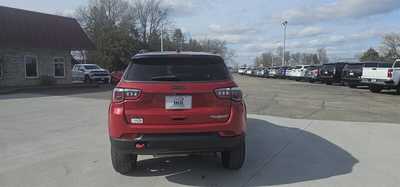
(376, 75)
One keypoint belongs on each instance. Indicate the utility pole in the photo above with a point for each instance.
(284, 24)
(162, 37)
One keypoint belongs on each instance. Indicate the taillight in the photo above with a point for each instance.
(390, 73)
(122, 94)
(235, 94)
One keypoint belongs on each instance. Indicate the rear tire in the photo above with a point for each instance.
(123, 163)
(375, 89)
(88, 80)
(234, 159)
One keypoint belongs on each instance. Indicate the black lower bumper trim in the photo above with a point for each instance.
(177, 143)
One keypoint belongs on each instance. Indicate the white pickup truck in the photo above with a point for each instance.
(381, 76)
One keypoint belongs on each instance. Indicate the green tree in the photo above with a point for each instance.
(370, 55)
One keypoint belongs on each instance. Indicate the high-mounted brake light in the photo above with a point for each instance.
(235, 94)
(390, 73)
(121, 94)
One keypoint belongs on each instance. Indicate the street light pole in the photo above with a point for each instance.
(284, 24)
(272, 59)
(162, 37)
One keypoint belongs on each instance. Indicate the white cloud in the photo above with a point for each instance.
(233, 30)
(230, 34)
(311, 31)
(185, 7)
(341, 9)
(345, 45)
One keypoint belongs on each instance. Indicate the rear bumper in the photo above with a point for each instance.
(177, 143)
(380, 82)
(118, 126)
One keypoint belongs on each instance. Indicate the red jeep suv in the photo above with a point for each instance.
(176, 103)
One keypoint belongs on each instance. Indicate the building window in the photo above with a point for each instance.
(59, 67)
(31, 67)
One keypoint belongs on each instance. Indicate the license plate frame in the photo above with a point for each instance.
(178, 102)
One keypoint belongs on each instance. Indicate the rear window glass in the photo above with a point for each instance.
(354, 66)
(91, 67)
(385, 65)
(371, 65)
(311, 67)
(177, 69)
(332, 66)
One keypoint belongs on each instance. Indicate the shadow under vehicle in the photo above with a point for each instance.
(276, 155)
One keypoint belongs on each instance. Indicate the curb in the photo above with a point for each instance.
(5, 91)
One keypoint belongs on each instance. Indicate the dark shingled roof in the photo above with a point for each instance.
(27, 29)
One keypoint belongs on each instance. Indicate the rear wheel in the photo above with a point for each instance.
(87, 79)
(375, 89)
(398, 89)
(234, 159)
(123, 163)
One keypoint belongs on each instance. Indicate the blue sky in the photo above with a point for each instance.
(344, 27)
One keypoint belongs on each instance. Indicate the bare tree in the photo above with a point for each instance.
(150, 16)
(391, 46)
(296, 57)
(109, 25)
(178, 39)
(322, 56)
(279, 52)
(103, 13)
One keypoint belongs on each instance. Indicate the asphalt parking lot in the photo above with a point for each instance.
(301, 100)
(59, 138)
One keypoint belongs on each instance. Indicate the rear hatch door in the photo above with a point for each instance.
(178, 90)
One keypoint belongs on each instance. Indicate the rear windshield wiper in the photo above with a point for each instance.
(165, 78)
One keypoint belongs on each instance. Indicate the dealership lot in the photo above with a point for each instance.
(303, 100)
(59, 138)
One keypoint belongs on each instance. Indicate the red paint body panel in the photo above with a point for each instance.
(157, 120)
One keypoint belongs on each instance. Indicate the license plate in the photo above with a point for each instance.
(373, 80)
(178, 102)
(351, 74)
